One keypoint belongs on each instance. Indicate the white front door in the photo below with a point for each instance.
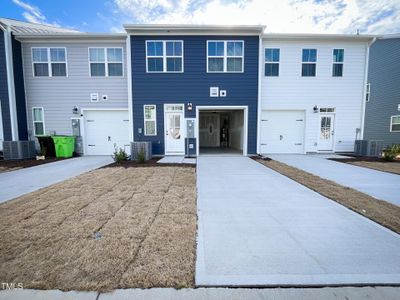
(1, 130)
(326, 132)
(174, 138)
(209, 130)
(282, 131)
(106, 129)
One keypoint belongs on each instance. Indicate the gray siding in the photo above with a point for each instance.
(384, 77)
(4, 100)
(59, 95)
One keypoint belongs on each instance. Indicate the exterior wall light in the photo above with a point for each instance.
(189, 106)
(315, 109)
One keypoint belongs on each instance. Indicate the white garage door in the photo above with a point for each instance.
(104, 129)
(282, 131)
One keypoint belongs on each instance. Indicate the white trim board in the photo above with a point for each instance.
(245, 109)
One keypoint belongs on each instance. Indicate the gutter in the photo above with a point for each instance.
(10, 82)
(369, 44)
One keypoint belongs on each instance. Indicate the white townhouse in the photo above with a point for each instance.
(312, 92)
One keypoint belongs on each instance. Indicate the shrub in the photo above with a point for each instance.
(391, 153)
(119, 155)
(141, 156)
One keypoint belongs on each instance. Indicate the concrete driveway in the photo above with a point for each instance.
(381, 185)
(257, 227)
(16, 183)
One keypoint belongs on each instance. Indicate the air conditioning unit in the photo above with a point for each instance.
(372, 148)
(19, 150)
(144, 147)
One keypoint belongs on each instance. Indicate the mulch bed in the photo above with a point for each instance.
(11, 165)
(372, 163)
(150, 163)
(380, 211)
(106, 229)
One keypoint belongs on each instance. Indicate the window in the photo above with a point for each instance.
(49, 62)
(271, 61)
(367, 92)
(395, 124)
(225, 56)
(309, 59)
(150, 123)
(338, 58)
(164, 56)
(38, 121)
(105, 62)
(327, 110)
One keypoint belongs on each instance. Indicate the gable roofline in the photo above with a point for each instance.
(174, 29)
(16, 26)
(71, 37)
(318, 36)
(389, 36)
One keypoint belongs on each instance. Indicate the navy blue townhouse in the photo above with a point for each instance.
(195, 88)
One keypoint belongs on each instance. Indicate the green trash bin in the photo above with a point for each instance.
(65, 145)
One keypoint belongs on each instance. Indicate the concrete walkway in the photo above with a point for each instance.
(16, 183)
(381, 185)
(257, 227)
(342, 293)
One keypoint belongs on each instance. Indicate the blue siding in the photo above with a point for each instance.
(19, 90)
(193, 85)
(5, 107)
(384, 77)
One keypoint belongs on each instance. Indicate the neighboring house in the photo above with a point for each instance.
(76, 83)
(312, 91)
(382, 114)
(199, 82)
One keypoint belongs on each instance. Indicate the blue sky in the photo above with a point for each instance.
(313, 16)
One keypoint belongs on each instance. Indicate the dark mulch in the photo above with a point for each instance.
(150, 163)
(26, 163)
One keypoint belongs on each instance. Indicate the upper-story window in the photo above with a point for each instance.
(106, 62)
(395, 124)
(49, 62)
(225, 56)
(164, 56)
(309, 62)
(272, 61)
(338, 59)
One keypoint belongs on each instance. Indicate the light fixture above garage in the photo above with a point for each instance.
(315, 109)
(75, 110)
(189, 106)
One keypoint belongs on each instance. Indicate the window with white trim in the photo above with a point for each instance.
(164, 56)
(338, 59)
(309, 62)
(271, 57)
(395, 123)
(49, 62)
(150, 120)
(367, 92)
(38, 121)
(106, 62)
(225, 56)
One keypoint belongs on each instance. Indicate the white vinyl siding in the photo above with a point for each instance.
(150, 120)
(49, 62)
(106, 62)
(59, 95)
(225, 56)
(291, 91)
(38, 121)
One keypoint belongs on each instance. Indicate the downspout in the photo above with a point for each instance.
(369, 44)
(129, 78)
(10, 83)
(260, 68)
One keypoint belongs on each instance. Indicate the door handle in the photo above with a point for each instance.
(166, 133)
(281, 137)
(109, 138)
(333, 132)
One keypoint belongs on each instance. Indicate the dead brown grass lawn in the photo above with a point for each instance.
(382, 212)
(391, 167)
(146, 218)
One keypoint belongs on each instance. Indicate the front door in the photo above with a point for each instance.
(326, 132)
(174, 139)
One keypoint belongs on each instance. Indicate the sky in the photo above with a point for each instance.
(280, 16)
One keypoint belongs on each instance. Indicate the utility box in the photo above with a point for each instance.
(141, 148)
(372, 148)
(190, 128)
(14, 150)
(76, 127)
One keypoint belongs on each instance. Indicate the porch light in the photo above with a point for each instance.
(189, 106)
(315, 109)
(75, 110)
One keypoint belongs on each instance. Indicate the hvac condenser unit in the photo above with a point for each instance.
(19, 150)
(371, 148)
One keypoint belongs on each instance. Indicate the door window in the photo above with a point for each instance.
(325, 128)
(175, 126)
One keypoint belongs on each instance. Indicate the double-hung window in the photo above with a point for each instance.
(338, 59)
(150, 120)
(106, 62)
(164, 56)
(38, 121)
(271, 57)
(49, 62)
(395, 124)
(225, 56)
(309, 62)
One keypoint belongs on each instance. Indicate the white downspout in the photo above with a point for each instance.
(260, 68)
(369, 44)
(10, 84)
(129, 78)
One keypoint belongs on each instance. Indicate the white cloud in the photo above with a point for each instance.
(330, 16)
(33, 14)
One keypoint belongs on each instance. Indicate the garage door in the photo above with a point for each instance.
(104, 129)
(282, 131)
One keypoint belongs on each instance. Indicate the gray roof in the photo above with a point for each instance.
(28, 28)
